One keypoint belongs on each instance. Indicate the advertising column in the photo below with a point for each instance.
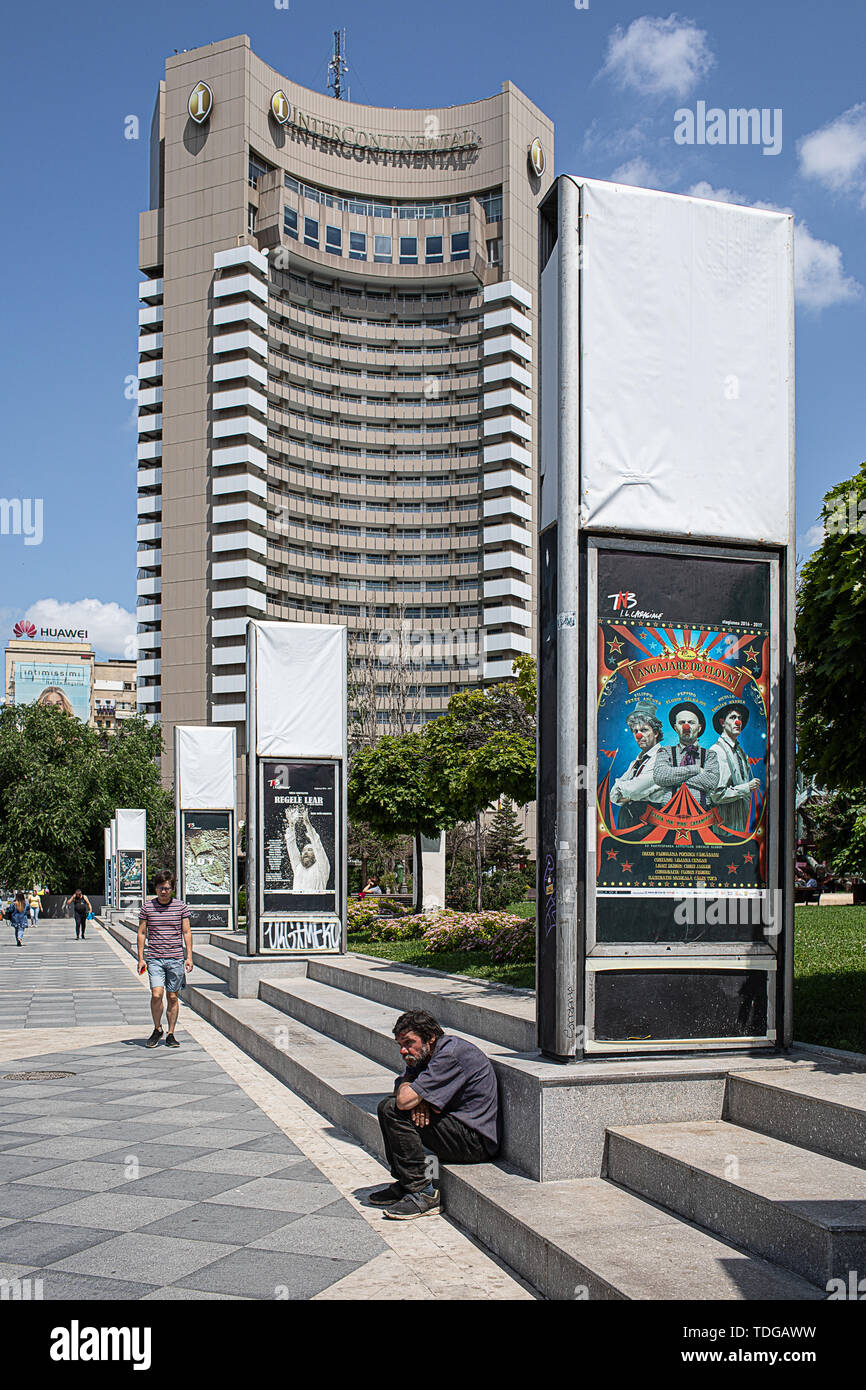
(112, 832)
(131, 856)
(107, 834)
(296, 788)
(205, 782)
(666, 635)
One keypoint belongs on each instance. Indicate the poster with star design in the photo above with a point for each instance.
(683, 674)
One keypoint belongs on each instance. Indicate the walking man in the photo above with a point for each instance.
(164, 921)
(81, 906)
(446, 1100)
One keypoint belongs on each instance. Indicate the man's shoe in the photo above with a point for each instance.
(414, 1204)
(171, 1040)
(387, 1196)
(154, 1038)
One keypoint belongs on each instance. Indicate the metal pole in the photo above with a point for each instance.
(568, 515)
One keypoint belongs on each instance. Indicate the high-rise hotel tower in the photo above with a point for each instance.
(337, 381)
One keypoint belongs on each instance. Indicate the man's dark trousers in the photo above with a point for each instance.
(405, 1143)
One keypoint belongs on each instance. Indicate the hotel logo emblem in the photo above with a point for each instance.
(536, 157)
(200, 103)
(281, 108)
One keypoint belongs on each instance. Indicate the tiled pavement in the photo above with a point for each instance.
(184, 1175)
(54, 981)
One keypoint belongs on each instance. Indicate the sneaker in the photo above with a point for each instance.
(414, 1204)
(171, 1040)
(387, 1196)
(154, 1038)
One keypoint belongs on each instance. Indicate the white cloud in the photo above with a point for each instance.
(110, 628)
(658, 57)
(819, 278)
(835, 155)
(619, 141)
(812, 539)
(718, 195)
(638, 172)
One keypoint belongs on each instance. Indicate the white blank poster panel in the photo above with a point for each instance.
(205, 768)
(131, 829)
(300, 690)
(686, 366)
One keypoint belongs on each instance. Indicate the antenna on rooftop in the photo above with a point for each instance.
(338, 65)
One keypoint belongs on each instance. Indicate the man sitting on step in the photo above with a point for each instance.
(446, 1100)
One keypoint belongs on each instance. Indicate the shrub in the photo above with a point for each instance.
(396, 928)
(514, 944)
(466, 931)
(365, 914)
(359, 913)
(497, 889)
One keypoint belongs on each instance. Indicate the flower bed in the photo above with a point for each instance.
(361, 913)
(470, 931)
(507, 938)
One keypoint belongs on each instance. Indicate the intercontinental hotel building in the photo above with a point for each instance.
(337, 381)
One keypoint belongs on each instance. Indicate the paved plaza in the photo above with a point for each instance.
(183, 1175)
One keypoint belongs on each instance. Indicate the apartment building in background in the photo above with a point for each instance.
(337, 383)
(66, 674)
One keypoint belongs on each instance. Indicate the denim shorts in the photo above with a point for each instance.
(169, 973)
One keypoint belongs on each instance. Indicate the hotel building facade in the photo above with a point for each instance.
(337, 384)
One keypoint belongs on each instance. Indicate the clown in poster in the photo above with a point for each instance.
(682, 725)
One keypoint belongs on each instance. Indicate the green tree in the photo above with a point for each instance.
(506, 847)
(60, 784)
(394, 788)
(839, 826)
(830, 624)
(132, 778)
(483, 747)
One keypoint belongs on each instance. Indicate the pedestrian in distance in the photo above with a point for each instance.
(80, 907)
(17, 914)
(165, 950)
(33, 906)
(445, 1101)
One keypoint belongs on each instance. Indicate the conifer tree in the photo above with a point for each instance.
(506, 847)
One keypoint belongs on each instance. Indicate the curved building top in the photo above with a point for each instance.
(362, 147)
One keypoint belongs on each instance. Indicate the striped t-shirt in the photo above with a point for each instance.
(164, 935)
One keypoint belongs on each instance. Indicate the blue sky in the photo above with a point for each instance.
(611, 76)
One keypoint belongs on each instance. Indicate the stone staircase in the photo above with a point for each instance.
(753, 1188)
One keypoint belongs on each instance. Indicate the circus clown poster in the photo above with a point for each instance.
(682, 716)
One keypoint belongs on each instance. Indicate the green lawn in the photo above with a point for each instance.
(830, 976)
(829, 971)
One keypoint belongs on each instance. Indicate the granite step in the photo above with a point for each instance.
(360, 1023)
(576, 1239)
(234, 941)
(790, 1205)
(494, 1012)
(823, 1109)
